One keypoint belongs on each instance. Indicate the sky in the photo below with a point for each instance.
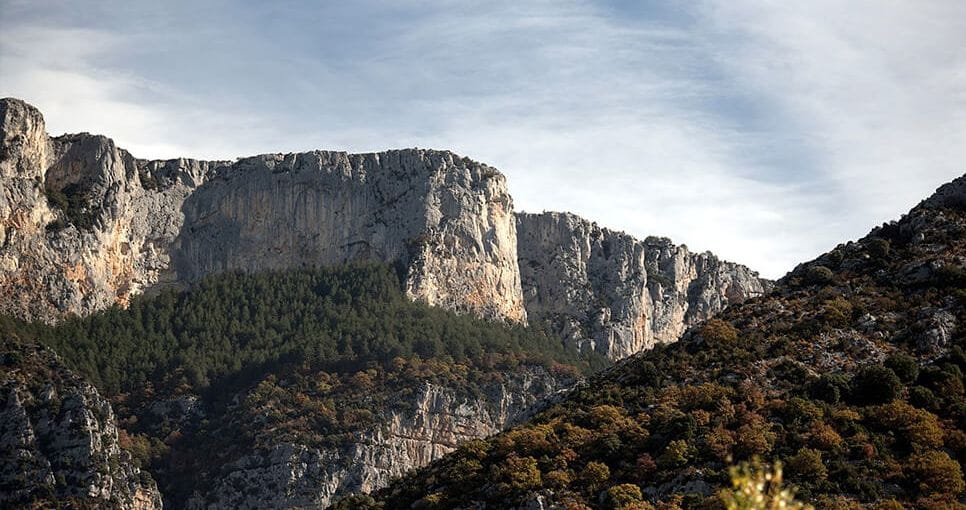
(765, 131)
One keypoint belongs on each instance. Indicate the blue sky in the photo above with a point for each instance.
(765, 131)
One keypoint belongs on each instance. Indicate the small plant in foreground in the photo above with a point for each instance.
(756, 486)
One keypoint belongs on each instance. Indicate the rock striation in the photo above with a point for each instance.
(608, 292)
(84, 225)
(418, 429)
(59, 440)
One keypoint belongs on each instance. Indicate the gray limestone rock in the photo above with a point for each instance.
(430, 424)
(85, 225)
(59, 440)
(609, 292)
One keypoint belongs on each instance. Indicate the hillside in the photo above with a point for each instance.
(60, 444)
(850, 371)
(224, 390)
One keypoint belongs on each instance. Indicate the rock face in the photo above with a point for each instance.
(449, 220)
(84, 225)
(60, 441)
(418, 430)
(609, 292)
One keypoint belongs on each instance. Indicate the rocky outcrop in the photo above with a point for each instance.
(84, 225)
(609, 292)
(416, 431)
(59, 441)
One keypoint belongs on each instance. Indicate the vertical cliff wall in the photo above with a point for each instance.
(447, 220)
(418, 429)
(84, 225)
(609, 292)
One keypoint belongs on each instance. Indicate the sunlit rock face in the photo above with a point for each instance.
(83, 224)
(447, 220)
(608, 292)
(86, 225)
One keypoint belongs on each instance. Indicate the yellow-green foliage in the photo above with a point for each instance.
(759, 487)
(717, 330)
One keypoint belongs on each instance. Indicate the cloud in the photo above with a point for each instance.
(764, 131)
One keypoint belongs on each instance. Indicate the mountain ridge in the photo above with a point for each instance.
(86, 225)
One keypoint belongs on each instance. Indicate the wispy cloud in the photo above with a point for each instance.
(764, 131)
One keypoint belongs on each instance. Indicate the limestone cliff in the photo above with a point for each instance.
(83, 224)
(413, 432)
(59, 441)
(448, 219)
(609, 292)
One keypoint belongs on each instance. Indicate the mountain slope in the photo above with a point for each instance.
(286, 389)
(851, 371)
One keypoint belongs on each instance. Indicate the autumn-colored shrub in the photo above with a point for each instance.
(836, 311)
(824, 437)
(557, 479)
(719, 331)
(803, 411)
(517, 474)
(595, 475)
(675, 455)
(934, 472)
(807, 464)
(720, 442)
(754, 438)
(919, 428)
(624, 494)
